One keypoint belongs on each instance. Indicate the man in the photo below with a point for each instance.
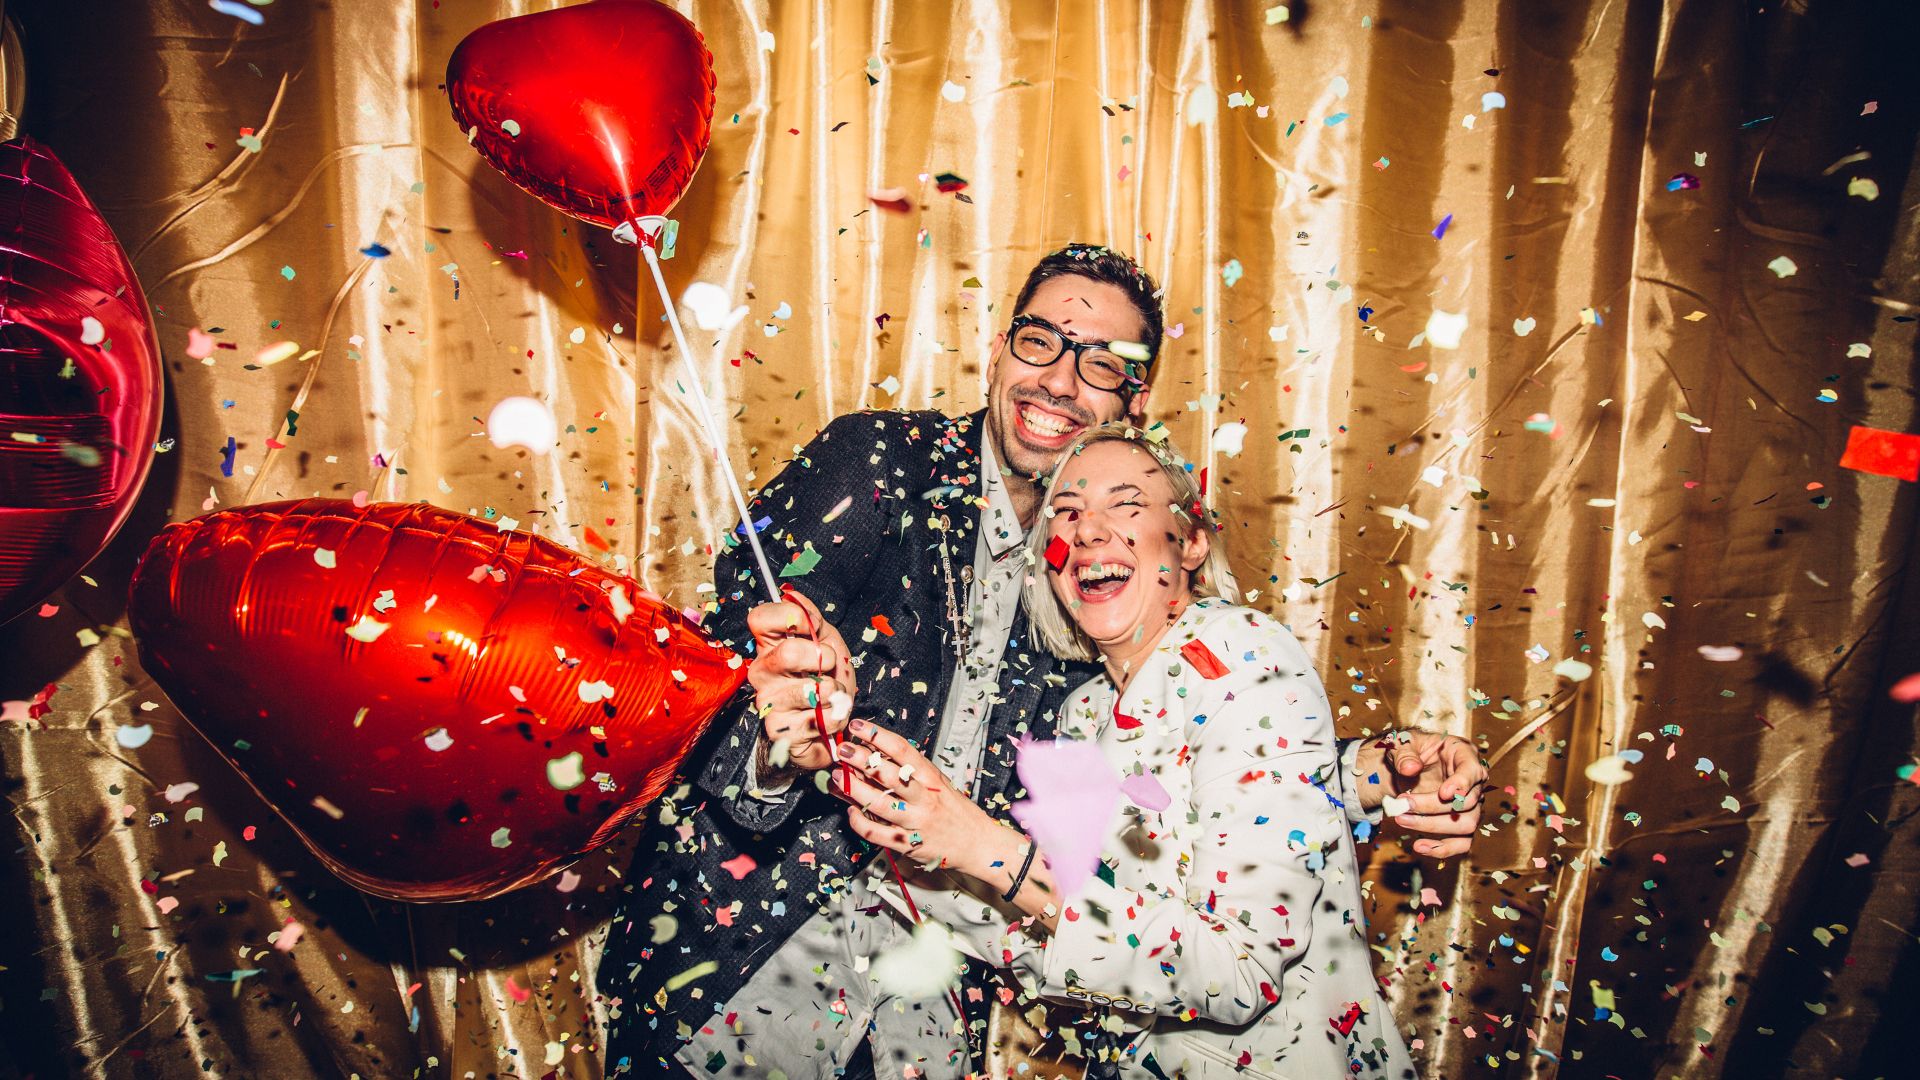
(746, 946)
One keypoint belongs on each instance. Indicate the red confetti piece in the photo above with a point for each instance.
(1345, 1023)
(1057, 552)
(1203, 660)
(1882, 453)
(739, 866)
(881, 624)
(1124, 722)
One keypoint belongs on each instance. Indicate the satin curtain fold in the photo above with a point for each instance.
(1625, 460)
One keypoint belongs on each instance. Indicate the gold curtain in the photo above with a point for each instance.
(1626, 462)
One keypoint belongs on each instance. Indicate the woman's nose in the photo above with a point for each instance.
(1089, 527)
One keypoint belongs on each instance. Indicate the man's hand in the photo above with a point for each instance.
(792, 670)
(1433, 782)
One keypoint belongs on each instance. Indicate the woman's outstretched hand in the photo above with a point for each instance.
(902, 802)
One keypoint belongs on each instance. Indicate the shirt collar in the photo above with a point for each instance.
(1000, 522)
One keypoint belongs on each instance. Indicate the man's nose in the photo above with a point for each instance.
(1060, 380)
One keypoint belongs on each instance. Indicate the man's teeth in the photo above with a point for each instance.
(1097, 574)
(1044, 424)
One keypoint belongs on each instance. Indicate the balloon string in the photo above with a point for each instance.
(706, 415)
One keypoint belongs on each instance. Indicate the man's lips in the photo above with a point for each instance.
(1046, 426)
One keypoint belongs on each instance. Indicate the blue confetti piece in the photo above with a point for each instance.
(1297, 836)
(376, 251)
(1440, 230)
(1609, 955)
(1261, 819)
(1365, 313)
(758, 526)
(1362, 831)
(133, 736)
(1336, 118)
(239, 11)
(226, 458)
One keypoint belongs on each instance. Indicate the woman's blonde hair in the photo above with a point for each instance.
(1053, 625)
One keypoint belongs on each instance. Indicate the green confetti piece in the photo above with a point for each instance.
(700, 970)
(802, 564)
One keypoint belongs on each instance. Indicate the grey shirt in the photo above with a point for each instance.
(804, 1012)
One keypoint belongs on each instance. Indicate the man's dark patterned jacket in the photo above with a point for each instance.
(869, 521)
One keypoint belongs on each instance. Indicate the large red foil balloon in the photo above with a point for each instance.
(79, 379)
(441, 710)
(603, 110)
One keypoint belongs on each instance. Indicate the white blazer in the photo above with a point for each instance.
(1224, 933)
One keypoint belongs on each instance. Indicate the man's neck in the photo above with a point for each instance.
(1025, 496)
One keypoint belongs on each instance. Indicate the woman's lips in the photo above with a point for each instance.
(1104, 590)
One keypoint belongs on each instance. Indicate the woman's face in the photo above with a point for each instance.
(1118, 558)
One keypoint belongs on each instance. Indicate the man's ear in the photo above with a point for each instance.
(999, 350)
(1137, 406)
(1198, 546)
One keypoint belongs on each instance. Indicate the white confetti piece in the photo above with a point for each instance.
(1721, 654)
(439, 740)
(523, 421)
(712, 308)
(176, 792)
(1229, 438)
(591, 692)
(953, 91)
(565, 773)
(323, 557)
(1445, 328)
(133, 736)
(367, 629)
(1609, 770)
(91, 332)
(1784, 267)
(1523, 327)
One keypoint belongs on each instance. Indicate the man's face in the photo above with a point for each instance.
(1034, 412)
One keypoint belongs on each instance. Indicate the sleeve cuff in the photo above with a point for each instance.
(1350, 781)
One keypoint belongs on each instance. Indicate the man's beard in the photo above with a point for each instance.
(1007, 441)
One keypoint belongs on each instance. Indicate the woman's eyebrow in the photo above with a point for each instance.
(1123, 487)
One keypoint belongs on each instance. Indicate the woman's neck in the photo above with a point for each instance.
(1124, 659)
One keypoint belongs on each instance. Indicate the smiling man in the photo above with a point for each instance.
(748, 944)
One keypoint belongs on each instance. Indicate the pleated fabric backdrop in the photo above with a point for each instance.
(1676, 242)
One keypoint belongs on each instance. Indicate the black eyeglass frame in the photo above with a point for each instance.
(1130, 383)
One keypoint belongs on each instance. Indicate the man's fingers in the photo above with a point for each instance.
(770, 622)
(1464, 771)
(794, 656)
(1439, 824)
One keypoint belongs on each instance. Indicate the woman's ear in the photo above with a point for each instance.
(1198, 545)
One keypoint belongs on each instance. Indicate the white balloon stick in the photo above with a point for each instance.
(651, 228)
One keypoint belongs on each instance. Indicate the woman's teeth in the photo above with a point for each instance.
(1096, 578)
(1045, 424)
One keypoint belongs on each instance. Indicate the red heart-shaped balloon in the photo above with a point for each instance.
(442, 710)
(79, 379)
(603, 110)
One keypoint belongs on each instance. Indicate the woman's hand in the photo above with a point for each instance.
(902, 802)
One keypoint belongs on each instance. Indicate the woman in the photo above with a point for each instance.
(1222, 935)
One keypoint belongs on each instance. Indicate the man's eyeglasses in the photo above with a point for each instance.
(1038, 343)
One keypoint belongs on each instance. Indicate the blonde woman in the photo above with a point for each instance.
(1222, 934)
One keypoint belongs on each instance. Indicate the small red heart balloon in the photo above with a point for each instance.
(442, 710)
(79, 379)
(602, 110)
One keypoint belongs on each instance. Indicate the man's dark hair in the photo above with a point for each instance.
(1102, 264)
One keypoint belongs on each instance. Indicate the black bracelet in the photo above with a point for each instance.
(1020, 878)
